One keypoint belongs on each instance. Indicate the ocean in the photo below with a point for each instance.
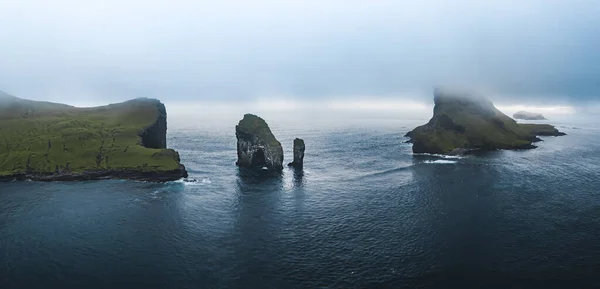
(363, 213)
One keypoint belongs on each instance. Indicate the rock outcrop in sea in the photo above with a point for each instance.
(49, 141)
(463, 122)
(257, 147)
(525, 115)
(299, 147)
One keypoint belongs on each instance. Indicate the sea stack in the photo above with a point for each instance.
(298, 161)
(257, 147)
(463, 122)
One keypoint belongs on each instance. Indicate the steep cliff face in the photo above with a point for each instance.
(155, 136)
(299, 148)
(463, 122)
(50, 141)
(257, 147)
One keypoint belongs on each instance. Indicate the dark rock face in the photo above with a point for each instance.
(257, 147)
(525, 115)
(463, 122)
(146, 176)
(155, 136)
(299, 147)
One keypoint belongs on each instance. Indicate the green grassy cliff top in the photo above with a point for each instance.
(49, 138)
(298, 142)
(255, 125)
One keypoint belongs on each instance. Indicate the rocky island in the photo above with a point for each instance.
(463, 122)
(257, 147)
(55, 142)
(299, 148)
(525, 115)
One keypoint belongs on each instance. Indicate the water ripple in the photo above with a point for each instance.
(364, 213)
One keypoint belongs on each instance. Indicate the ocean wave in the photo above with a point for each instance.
(440, 162)
(193, 171)
(439, 156)
(192, 182)
(156, 194)
(384, 173)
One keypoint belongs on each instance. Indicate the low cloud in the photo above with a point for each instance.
(376, 51)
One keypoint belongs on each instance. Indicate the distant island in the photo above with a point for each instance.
(55, 142)
(463, 122)
(525, 115)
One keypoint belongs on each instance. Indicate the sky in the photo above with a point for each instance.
(377, 53)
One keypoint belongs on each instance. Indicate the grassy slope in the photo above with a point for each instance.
(469, 125)
(253, 124)
(40, 137)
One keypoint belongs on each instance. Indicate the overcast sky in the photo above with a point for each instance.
(533, 51)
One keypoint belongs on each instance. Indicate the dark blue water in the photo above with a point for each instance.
(364, 213)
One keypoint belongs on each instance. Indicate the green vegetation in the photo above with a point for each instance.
(255, 125)
(466, 122)
(541, 129)
(298, 142)
(42, 138)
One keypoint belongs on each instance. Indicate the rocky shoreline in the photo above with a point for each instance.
(135, 175)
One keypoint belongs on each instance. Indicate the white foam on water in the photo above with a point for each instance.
(193, 182)
(190, 182)
(184, 182)
(440, 156)
(440, 162)
(154, 195)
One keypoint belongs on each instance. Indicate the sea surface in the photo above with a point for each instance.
(363, 213)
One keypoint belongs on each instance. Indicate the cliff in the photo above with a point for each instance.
(155, 135)
(525, 115)
(257, 147)
(48, 141)
(463, 122)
